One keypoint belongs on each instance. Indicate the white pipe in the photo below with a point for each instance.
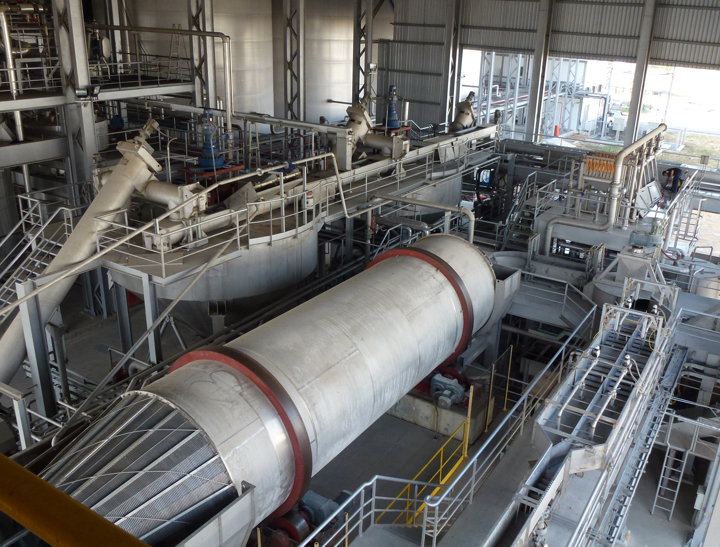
(615, 190)
(130, 174)
(384, 143)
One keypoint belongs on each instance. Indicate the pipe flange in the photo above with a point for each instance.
(281, 402)
(455, 280)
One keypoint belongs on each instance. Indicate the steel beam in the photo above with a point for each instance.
(294, 43)
(33, 152)
(200, 13)
(134, 93)
(30, 100)
(540, 57)
(151, 315)
(641, 65)
(37, 353)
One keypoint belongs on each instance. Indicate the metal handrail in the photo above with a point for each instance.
(16, 254)
(435, 501)
(147, 226)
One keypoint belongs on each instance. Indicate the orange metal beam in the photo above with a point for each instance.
(52, 515)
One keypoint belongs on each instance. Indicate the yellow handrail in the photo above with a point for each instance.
(441, 475)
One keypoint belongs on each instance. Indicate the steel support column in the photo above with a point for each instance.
(151, 315)
(511, 83)
(540, 57)
(363, 57)
(450, 53)
(641, 65)
(123, 317)
(202, 50)
(484, 94)
(515, 95)
(294, 59)
(455, 66)
(571, 85)
(37, 353)
(113, 17)
(554, 87)
(79, 111)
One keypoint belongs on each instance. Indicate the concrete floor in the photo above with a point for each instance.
(477, 521)
(391, 447)
(648, 530)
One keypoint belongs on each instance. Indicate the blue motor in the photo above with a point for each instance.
(392, 121)
(211, 157)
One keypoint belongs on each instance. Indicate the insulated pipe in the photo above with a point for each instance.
(615, 189)
(384, 143)
(283, 400)
(130, 174)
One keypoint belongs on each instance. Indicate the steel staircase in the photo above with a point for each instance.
(40, 243)
(521, 218)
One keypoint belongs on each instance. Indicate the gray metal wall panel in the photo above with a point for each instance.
(499, 26)
(414, 60)
(596, 29)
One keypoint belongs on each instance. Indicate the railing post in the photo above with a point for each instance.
(487, 412)
(372, 502)
(414, 505)
(466, 436)
(472, 480)
(23, 422)
(347, 529)
(507, 385)
(282, 202)
(362, 512)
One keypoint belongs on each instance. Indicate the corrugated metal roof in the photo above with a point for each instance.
(687, 32)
